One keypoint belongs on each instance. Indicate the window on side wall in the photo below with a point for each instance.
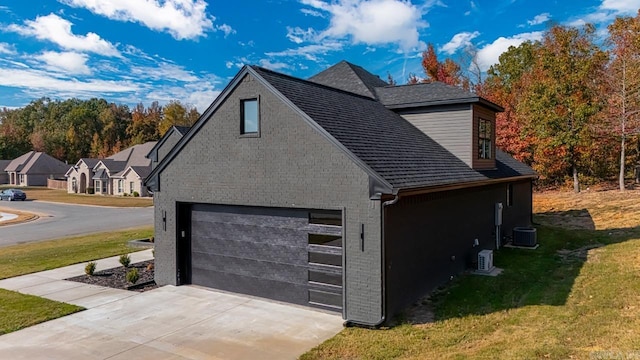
(131, 187)
(484, 139)
(120, 186)
(250, 119)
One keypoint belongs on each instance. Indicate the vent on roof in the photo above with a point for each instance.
(524, 236)
(485, 260)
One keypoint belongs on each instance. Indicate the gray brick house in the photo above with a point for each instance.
(339, 192)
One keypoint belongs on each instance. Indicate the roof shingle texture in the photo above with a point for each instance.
(389, 145)
(428, 93)
(351, 78)
(393, 148)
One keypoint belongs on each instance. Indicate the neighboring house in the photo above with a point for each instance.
(119, 174)
(34, 168)
(168, 141)
(4, 176)
(341, 192)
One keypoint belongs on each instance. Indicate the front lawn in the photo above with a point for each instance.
(18, 310)
(33, 257)
(54, 195)
(577, 296)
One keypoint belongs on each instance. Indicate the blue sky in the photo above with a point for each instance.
(131, 51)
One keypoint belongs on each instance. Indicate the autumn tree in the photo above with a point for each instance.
(447, 71)
(622, 83)
(506, 85)
(562, 100)
(144, 123)
(174, 113)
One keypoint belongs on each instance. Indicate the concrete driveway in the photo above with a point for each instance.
(170, 322)
(59, 220)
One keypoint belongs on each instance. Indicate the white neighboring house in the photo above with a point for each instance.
(119, 174)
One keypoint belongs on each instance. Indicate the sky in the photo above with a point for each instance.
(140, 51)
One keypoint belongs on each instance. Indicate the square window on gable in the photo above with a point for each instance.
(250, 122)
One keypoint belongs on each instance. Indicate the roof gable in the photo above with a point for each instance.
(395, 154)
(35, 162)
(351, 78)
(175, 130)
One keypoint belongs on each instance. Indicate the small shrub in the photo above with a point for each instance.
(90, 190)
(136, 194)
(125, 194)
(125, 260)
(149, 266)
(132, 276)
(90, 268)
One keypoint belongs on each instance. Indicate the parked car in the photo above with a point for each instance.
(13, 194)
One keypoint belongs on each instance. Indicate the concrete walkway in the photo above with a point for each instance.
(7, 216)
(170, 322)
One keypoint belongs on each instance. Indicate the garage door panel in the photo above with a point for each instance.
(277, 290)
(267, 252)
(253, 251)
(293, 219)
(219, 266)
(222, 232)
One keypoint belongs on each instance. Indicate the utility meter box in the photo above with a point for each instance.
(498, 215)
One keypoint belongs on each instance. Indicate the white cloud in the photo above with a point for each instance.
(310, 52)
(311, 12)
(488, 55)
(628, 7)
(7, 49)
(42, 80)
(183, 19)
(373, 22)
(265, 63)
(164, 71)
(539, 19)
(459, 41)
(226, 29)
(68, 62)
(299, 35)
(58, 30)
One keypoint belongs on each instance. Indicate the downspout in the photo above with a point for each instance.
(349, 323)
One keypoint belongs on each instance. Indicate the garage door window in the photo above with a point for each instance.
(326, 240)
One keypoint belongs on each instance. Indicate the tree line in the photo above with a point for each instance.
(74, 128)
(571, 100)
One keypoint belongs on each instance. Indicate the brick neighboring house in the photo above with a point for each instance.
(34, 168)
(339, 192)
(119, 174)
(4, 176)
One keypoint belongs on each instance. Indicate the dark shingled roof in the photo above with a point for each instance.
(182, 129)
(396, 150)
(428, 94)
(351, 78)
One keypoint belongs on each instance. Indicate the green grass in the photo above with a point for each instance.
(33, 257)
(576, 297)
(18, 311)
(61, 196)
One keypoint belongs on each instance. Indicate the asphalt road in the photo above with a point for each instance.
(61, 220)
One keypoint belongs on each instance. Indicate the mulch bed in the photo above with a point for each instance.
(116, 277)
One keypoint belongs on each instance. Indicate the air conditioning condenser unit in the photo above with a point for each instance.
(485, 260)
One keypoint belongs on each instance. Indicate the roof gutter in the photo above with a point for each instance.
(437, 188)
(383, 267)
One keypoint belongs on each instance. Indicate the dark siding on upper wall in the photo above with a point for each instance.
(429, 238)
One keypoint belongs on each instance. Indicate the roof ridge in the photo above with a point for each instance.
(308, 82)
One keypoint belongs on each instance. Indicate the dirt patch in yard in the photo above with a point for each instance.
(116, 277)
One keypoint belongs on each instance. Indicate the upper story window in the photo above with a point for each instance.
(484, 139)
(250, 119)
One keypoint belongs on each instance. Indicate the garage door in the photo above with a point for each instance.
(289, 255)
